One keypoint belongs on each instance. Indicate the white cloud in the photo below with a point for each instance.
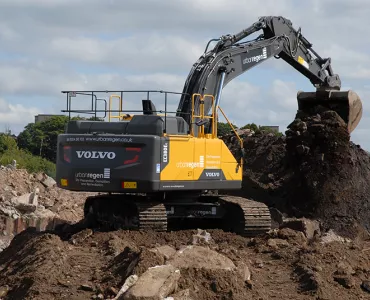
(284, 94)
(140, 52)
(16, 115)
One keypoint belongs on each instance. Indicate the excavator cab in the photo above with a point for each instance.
(347, 104)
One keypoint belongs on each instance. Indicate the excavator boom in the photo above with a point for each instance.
(231, 57)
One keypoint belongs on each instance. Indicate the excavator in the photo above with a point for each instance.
(150, 171)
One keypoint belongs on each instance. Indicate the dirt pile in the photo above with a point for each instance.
(34, 198)
(91, 265)
(315, 171)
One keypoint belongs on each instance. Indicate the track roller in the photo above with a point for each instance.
(246, 217)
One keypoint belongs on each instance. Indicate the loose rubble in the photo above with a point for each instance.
(34, 200)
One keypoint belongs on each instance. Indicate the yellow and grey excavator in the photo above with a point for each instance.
(152, 170)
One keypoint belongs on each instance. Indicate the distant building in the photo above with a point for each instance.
(44, 117)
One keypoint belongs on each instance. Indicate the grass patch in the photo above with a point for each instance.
(26, 160)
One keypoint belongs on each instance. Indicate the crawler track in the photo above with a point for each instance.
(137, 212)
(152, 216)
(133, 212)
(256, 217)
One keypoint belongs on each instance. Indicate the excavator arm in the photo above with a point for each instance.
(231, 57)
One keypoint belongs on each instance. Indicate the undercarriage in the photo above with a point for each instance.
(144, 212)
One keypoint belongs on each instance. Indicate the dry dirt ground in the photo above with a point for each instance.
(282, 265)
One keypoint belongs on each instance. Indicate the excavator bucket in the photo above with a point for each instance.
(347, 104)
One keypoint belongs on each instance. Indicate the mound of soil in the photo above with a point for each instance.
(95, 265)
(314, 171)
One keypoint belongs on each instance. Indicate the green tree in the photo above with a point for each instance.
(224, 128)
(259, 129)
(41, 138)
(7, 142)
(251, 126)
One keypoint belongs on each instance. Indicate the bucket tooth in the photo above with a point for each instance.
(347, 104)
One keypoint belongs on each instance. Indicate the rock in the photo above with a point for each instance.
(245, 132)
(3, 291)
(294, 237)
(345, 281)
(4, 244)
(331, 236)
(258, 263)
(155, 284)
(301, 149)
(200, 257)
(86, 287)
(39, 177)
(9, 211)
(310, 228)
(43, 213)
(48, 182)
(244, 271)
(80, 236)
(10, 167)
(277, 216)
(181, 295)
(165, 250)
(130, 281)
(365, 285)
(344, 268)
(27, 202)
(277, 243)
(201, 236)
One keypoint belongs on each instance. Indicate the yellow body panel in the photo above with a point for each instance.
(189, 156)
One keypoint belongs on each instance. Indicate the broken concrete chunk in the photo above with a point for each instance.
(200, 257)
(244, 271)
(331, 236)
(27, 202)
(130, 281)
(155, 284)
(310, 228)
(48, 182)
(201, 236)
(165, 250)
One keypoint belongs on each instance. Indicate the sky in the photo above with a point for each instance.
(52, 45)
